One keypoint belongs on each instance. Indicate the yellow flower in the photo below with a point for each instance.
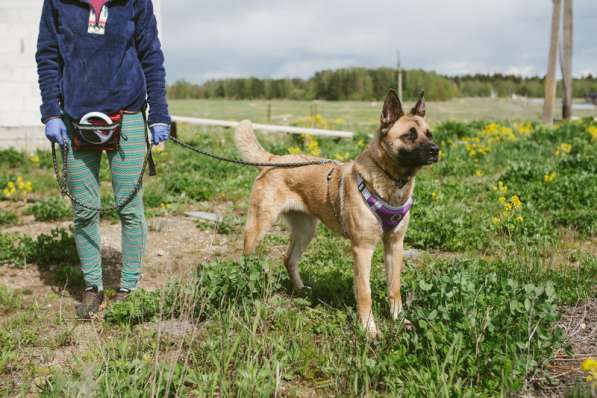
(588, 365)
(28, 186)
(593, 131)
(520, 219)
(433, 195)
(495, 221)
(502, 200)
(35, 160)
(516, 202)
(501, 188)
(342, 156)
(549, 177)
(563, 148)
(524, 128)
(478, 173)
(312, 145)
(294, 150)
(507, 207)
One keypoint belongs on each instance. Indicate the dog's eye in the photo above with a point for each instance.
(410, 136)
(428, 134)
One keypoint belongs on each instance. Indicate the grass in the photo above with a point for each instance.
(361, 116)
(505, 235)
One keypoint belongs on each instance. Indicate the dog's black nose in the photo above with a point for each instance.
(434, 150)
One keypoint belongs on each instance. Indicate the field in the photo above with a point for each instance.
(499, 281)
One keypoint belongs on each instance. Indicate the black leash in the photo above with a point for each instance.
(63, 182)
(254, 164)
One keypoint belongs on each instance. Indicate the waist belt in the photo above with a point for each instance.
(97, 131)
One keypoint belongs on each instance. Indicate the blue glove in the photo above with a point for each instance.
(56, 130)
(160, 133)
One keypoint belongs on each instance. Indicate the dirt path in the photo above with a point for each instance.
(175, 246)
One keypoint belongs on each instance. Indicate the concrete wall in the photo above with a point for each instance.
(19, 93)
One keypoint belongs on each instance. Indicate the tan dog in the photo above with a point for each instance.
(330, 193)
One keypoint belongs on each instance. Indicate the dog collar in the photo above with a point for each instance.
(389, 216)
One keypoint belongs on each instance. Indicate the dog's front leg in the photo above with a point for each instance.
(362, 288)
(393, 254)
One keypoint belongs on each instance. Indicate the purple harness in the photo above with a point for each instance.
(388, 216)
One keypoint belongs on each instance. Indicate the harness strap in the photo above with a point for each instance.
(338, 217)
(388, 216)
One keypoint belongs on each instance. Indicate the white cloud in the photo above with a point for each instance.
(205, 39)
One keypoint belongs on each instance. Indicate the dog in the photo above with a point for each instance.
(365, 200)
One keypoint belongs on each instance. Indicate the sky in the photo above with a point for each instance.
(207, 39)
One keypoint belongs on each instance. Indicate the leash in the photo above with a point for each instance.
(65, 191)
(254, 164)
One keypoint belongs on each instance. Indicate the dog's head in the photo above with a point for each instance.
(406, 138)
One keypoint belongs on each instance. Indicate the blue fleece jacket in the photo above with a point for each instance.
(82, 72)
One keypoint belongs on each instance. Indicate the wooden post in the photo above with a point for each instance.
(269, 112)
(399, 76)
(567, 80)
(550, 77)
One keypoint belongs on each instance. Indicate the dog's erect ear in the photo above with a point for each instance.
(419, 109)
(392, 111)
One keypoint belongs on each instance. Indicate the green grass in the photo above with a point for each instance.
(361, 116)
(505, 233)
(481, 327)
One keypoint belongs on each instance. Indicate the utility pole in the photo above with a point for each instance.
(399, 75)
(550, 77)
(567, 61)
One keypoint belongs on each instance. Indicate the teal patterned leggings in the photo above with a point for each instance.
(83, 181)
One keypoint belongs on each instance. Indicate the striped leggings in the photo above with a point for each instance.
(83, 181)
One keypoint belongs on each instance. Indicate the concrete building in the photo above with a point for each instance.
(20, 124)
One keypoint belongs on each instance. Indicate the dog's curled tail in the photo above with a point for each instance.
(247, 144)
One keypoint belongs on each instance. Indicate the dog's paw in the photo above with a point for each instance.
(304, 291)
(371, 330)
(408, 325)
(395, 308)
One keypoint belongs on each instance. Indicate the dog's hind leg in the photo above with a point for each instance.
(259, 220)
(302, 229)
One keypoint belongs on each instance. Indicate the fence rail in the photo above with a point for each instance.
(270, 128)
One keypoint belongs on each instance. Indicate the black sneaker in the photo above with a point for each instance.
(122, 293)
(90, 305)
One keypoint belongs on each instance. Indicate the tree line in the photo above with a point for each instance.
(363, 84)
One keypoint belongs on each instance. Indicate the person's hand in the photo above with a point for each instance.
(160, 133)
(55, 130)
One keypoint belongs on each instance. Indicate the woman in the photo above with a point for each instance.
(103, 56)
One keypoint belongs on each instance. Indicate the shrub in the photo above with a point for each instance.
(12, 158)
(7, 217)
(16, 249)
(53, 209)
(140, 306)
(56, 248)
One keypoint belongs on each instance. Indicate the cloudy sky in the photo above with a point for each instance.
(206, 39)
